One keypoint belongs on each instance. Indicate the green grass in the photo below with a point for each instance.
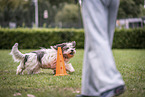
(130, 63)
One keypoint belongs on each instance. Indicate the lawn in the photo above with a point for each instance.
(130, 63)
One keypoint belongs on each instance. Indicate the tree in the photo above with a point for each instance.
(69, 13)
(65, 11)
(14, 11)
(130, 8)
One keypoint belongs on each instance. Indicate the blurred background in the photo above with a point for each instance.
(63, 14)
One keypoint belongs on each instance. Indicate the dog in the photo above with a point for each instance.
(43, 58)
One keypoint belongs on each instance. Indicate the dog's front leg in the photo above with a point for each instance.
(69, 67)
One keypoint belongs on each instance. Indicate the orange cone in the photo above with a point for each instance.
(60, 66)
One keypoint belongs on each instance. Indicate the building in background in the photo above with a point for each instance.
(130, 23)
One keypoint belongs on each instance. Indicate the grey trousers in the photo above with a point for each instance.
(99, 70)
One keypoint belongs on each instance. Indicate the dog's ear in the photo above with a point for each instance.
(74, 43)
(59, 45)
(54, 47)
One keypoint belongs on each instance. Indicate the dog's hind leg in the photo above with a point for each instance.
(20, 68)
(36, 69)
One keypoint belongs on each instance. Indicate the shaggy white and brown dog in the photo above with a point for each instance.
(43, 58)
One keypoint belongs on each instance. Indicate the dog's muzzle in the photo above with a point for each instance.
(72, 52)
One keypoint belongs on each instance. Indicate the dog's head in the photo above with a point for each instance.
(68, 49)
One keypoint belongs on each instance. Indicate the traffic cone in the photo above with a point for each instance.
(60, 66)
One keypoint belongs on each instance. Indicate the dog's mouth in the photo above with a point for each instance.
(72, 53)
(69, 55)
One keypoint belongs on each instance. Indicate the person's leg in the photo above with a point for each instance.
(112, 15)
(99, 70)
(113, 9)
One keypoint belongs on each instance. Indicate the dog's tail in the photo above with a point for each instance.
(17, 55)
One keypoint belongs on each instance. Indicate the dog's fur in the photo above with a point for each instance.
(43, 58)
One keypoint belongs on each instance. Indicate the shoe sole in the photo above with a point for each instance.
(121, 91)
